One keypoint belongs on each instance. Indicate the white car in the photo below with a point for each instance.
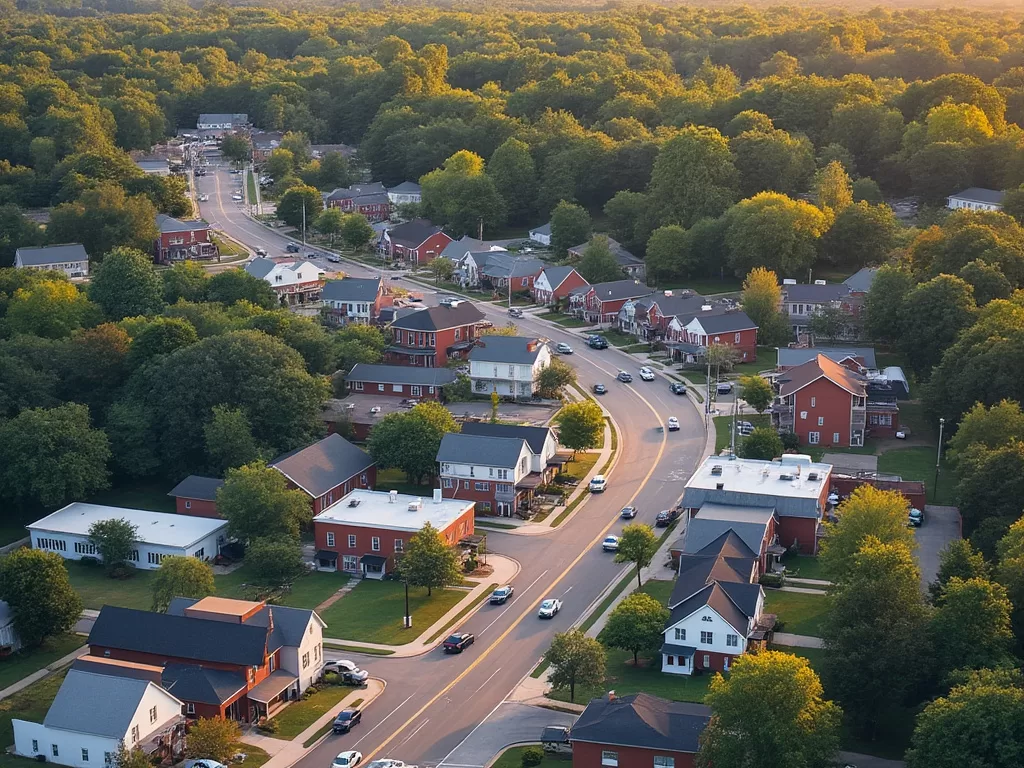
(236, 197)
(204, 198)
(673, 424)
(610, 544)
(563, 348)
(549, 608)
(598, 484)
(341, 665)
(204, 762)
(646, 374)
(348, 759)
(387, 762)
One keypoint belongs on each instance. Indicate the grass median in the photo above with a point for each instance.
(298, 716)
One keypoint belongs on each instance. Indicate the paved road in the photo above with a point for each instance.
(434, 701)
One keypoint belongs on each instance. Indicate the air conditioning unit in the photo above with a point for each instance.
(416, 505)
(786, 476)
(716, 469)
(820, 282)
(354, 502)
(812, 476)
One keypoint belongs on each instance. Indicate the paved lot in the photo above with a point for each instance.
(507, 725)
(941, 526)
(852, 461)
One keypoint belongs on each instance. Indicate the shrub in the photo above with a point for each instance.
(122, 571)
(771, 580)
(89, 561)
(268, 726)
(532, 756)
(790, 442)
(332, 678)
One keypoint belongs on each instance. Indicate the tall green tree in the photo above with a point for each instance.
(931, 316)
(1010, 573)
(575, 660)
(958, 559)
(257, 503)
(410, 441)
(772, 161)
(762, 301)
(774, 231)
(637, 625)
(763, 443)
(35, 585)
(234, 285)
(833, 188)
(514, 173)
(570, 226)
(861, 235)
(185, 280)
(757, 392)
(693, 177)
(125, 284)
(181, 577)
(580, 425)
(598, 265)
(970, 628)
(229, 440)
(114, 540)
(103, 218)
(882, 305)
(867, 511)
(461, 197)
(637, 545)
(297, 202)
(328, 222)
(430, 561)
(235, 147)
(552, 381)
(356, 231)
(51, 309)
(987, 280)
(275, 561)
(669, 256)
(160, 336)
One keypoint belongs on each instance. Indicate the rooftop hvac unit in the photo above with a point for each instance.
(354, 502)
(789, 281)
(785, 476)
(392, 497)
(416, 505)
(716, 470)
(812, 476)
(720, 486)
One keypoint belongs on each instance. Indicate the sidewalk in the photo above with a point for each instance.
(505, 570)
(797, 641)
(60, 663)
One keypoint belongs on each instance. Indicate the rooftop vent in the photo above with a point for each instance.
(716, 469)
(720, 486)
(416, 505)
(437, 495)
(812, 476)
(354, 502)
(392, 497)
(786, 476)
(820, 282)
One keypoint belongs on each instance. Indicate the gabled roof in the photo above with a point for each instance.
(98, 705)
(51, 254)
(352, 289)
(790, 358)
(799, 377)
(543, 229)
(557, 275)
(167, 224)
(535, 437)
(622, 256)
(617, 290)
(440, 317)
(980, 195)
(237, 118)
(266, 139)
(816, 294)
(750, 524)
(202, 685)
(401, 374)
(514, 350)
(289, 623)
(643, 721)
(861, 280)
(324, 465)
(725, 321)
(457, 448)
(456, 249)
(679, 303)
(406, 187)
(358, 190)
(413, 234)
(197, 487)
(505, 264)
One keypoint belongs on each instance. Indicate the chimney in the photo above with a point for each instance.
(531, 345)
(611, 696)
(392, 497)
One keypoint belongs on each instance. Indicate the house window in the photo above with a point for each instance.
(707, 661)
(465, 483)
(305, 660)
(503, 488)
(803, 414)
(135, 733)
(54, 750)
(663, 761)
(814, 438)
(736, 339)
(446, 482)
(152, 714)
(458, 334)
(359, 386)
(821, 421)
(154, 558)
(680, 633)
(707, 638)
(835, 437)
(348, 562)
(188, 505)
(415, 391)
(670, 661)
(482, 486)
(525, 281)
(732, 641)
(252, 674)
(430, 390)
(35, 745)
(399, 545)
(396, 388)
(330, 539)
(272, 662)
(375, 543)
(351, 541)
(609, 758)
(433, 341)
(380, 387)
(200, 553)
(814, 400)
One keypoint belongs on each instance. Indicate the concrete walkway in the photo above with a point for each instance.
(505, 570)
(803, 590)
(809, 582)
(797, 641)
(46, 671)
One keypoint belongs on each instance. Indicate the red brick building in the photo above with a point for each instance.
(601, 303)
(638, 731)
(182, 241)
(327, 470)
(197, 496)
(432, 336)
(370, 200)
(399, 381)
(554, 284)
(417, 242)
(715, 324)
(366, 531)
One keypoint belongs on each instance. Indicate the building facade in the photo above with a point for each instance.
(432, 336)
(294, 282)
(399, 381)
(183, 241)
(327, 470)
(369, 200)
(70, 258)
(554, 284)
(601, 303)
(730, 328)
(976, 199)
(353, 300)
(508, 365)
(197, 496)
(416, 242)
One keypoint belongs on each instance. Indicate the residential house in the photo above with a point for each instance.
(794, 486)
(294, 282)
(317, 151)
(370, 200)
(197, 495)
(496, 472)
(10, 640)
(226, 658)
(432, 336)
(508, 365)
(70, 258)
(457, 249)
(263, 143)
(976, 199)
(416, 242)
(860, 282)
(405, 193)
(327, 470)
(802, 302)
(183, 240)
(542, 442)
(501, 271)
(716, 607)
(222, 122)
(93, 714)
(601, 303)
(857, 359)
(755, 526)
(648, 317)
(399, 381)
(158, 534)
(690, 334)
(638, 731)
(631, 265)
(825, 403)
(353, 300)
(542, 234)
(553, 284)
(366, 531)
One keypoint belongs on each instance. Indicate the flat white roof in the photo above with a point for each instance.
(376, 510)
(761, 477)
(157, 528)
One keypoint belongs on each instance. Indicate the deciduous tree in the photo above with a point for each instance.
(861, 235)
(833, 188)
(555, 378)
(429, 561)
(410, 441)
(234, 285)
(867, 512)
(757, 392)
(829, 323)
(669, 256)
(763, 443)
(185, 280)
(229, 440)
(275, 561)
(52, 309)
(762, 301)
(114, 540)
(580, 425)
(328, 222)
(598, 265)
(160, 336)
(130, 758)
(772, 161)
(181, 577)
(637, 545)
(125, 285)
(35, 585)
(774, 231)
(441, 269)
(235, 147)
(356, 231)
(882, 305)
(637, 625)
(570, 226)
(575, 659)
(460, 196)
(693, 177)
(515, 177)
(297, 201)
(970, 628)
(960, 560)
(931, 316)
(257, 503)
(214, 737)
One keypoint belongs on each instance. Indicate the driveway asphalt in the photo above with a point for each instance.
(507, 725)
(941, 526)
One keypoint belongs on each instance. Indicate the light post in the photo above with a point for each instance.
(408, 617)
(938, 460)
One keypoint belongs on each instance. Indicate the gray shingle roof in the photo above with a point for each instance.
(749, 523)
(644, 721)
(861, 280)
(440, 317)
(543, 229)
(401, 374)
(203, 685)
(412, 233)
(118, 698)
(506, 349)
(815, 294)
(197, 487)
(725, 322)
(557, 275)
(167, 224)
(981, 195)
(406, 187)
(51, 254)
(789, 358)
(505, 264)
(457, 448)
(622, 256)
(324, 465)
(260, 267)
(352, 289)
(237, 118)
(535, 437)
(456, 249)
(619, 289)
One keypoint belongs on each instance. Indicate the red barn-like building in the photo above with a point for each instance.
(431, 337)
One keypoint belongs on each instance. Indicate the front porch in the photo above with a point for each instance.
(273, 693)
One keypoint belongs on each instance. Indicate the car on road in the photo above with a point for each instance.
(204, 198)
(624, 377)
(724, 387)
(449, 301)
(916, 518)
(549, 608)
(597, 342)
(312, 255)
(236, 197)
(348, 759)
(501, 595)
(902, 433)
(292, 248)
(387, 762)
(515, 312)
(628, 513)
(610, 544)
(600, 389)
(261, 251)
(346, 719)
(334, 258)
(485, 324)
(646, 374)
(458, 642)
(673, 424)
(340, 665)
(598, 484)
(666, 517)
(563, 348)
(677, 388)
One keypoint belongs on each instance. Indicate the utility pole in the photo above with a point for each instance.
(303, 222)
(938, 460)
(408, 616)
(732, 431)
(480, 228)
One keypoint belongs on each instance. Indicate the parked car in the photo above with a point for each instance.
(485, 324)
(515, 312)
(724, 387)
(597, 342)
(449, 301)
(610, 544)
(292, 248)
(348, 759)
(458, 642)
(600, 389)
(673, 424)
(346, 719)
(666, 517)
(677, 388)
(563, 348)
(916, 518)
(236, 197)
(261, 251)
(549, 608)
(624, 377)
(598, 484)
(312, 255)
(204, 762)
(646, 374)
(334, 258)
(501, 594)
(204, 198)
(902, 433)
(628, 513)
(340, 665)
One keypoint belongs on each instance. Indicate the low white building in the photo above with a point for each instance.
(70, 258)
(976, 199)
(93, 714)
(294, 282)
(541, 234)
(160, 535)
(508, 365)
(405, 193)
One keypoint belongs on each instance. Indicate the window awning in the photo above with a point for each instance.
(373, 560)
(412, 350)
(672, 649)
(326, 555)
(273, 686)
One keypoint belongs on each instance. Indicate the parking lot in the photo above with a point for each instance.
(941, 526)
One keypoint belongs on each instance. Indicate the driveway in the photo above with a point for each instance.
(507, 725)
(941, 526)
(854, 462)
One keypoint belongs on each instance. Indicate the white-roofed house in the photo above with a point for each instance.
(977, 199)
(70, 258)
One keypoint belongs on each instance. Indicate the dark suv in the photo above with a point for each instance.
(458, 642)
(666, 517)
(597, 342)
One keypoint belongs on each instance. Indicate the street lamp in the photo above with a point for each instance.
(938, 460)
(408, 616)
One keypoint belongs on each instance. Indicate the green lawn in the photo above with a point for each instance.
(22, 664)
(767, 357)
(228, 248)
(395, 480)
(581, 465)
(250, 180)
(723, 425)
(297, 717)
(307, 591)
(814, 656)
(658, 589)
(373, 611)
(513, 758)
(569, 322)
(707, 286)
(152, 497)
(801, 613)
(29, 704)
(254, 756)
(921, 427)
(919, 464)
(806, 566)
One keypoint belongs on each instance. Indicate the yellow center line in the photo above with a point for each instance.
(533, 605)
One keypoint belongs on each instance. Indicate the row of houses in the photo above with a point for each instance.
(373, 200)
